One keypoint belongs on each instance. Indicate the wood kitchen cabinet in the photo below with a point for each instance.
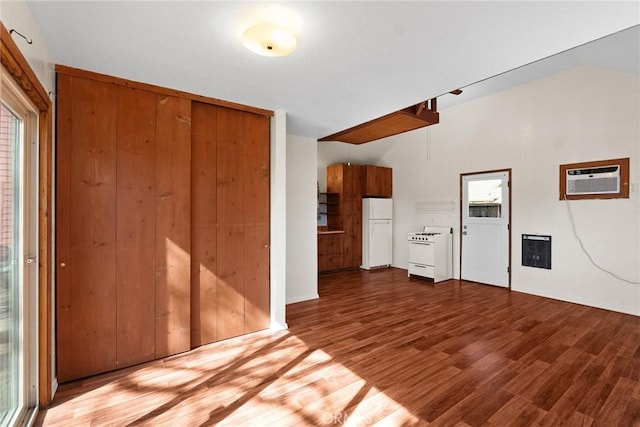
(378, 181)
(348, 181)
(330, 248)
(352, 183)
(162, 222)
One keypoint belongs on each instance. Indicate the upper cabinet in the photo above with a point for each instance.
(356, 181)
(378, 181)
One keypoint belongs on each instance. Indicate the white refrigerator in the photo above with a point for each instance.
(377, 233)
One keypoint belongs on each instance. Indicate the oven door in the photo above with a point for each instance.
(421, 253)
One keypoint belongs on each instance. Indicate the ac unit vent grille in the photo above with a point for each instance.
(594, 185)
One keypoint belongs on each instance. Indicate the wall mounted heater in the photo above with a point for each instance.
(536, 251)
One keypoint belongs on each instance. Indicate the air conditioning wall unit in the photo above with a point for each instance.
(600, 179)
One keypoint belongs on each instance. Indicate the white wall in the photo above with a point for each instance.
(16, 15)
(302, 247)
(579, 115)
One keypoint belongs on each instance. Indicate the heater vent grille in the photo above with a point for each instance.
(536, 251)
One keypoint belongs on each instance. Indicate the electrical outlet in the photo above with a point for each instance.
(634, 187)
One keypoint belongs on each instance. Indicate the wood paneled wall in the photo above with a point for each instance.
(162, 224)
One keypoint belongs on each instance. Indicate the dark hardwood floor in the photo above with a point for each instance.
(378, 348)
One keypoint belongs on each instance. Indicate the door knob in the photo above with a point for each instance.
(464, 233)
(30, 260)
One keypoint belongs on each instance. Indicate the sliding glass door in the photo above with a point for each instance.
(18, 275)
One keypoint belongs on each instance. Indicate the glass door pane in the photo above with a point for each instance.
(485, 198)
(10, 282)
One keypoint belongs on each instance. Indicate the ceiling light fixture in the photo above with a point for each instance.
(269, 40)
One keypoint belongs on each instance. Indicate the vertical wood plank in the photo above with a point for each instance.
(356, 233)
(256, 214)
(255, 141)
(354, 177)
(256, 259)
(92, 260)
(335, 179)
(372, 181)
(231, 212)
(45, 238)
(203, 224)
(135, 254)
(386, 182)
(230, 285)
(335, 184)
(350, 244)
(173, 225)
(63, 228)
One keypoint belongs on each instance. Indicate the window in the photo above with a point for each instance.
(18, 275)
(485, 198)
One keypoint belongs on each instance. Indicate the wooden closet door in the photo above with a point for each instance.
(231, 232)
(86, 228)
(135, 242)
(256, 218)
(204, 304)
(173, 225)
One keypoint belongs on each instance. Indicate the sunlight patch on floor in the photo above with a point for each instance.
(264, 379)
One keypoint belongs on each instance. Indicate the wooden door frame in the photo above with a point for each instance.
(18, 67)
(509, 178)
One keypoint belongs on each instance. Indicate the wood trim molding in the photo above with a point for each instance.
(18, 67)
(76, 72)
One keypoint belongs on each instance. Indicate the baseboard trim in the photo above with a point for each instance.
(277, 326)
(293, 300)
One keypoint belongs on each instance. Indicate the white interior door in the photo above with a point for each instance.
(485, 228)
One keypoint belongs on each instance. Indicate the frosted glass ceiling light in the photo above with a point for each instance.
(269, 40)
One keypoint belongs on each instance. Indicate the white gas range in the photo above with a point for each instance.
(431, 253)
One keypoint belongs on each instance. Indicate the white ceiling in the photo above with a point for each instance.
(355, 60)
